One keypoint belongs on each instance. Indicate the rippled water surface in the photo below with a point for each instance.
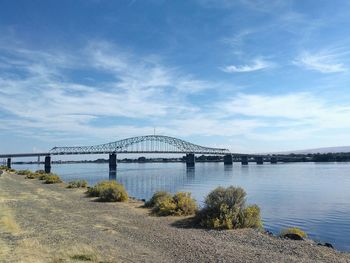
(312, 196)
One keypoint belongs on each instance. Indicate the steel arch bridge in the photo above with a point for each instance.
(142, 144)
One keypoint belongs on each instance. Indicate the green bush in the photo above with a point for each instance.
(77, 184)
(251, 217)
(225, 208)
(109, 191)
(52, 179)
(40, 171)
(293, 230)
(163, 204)
(156, 198)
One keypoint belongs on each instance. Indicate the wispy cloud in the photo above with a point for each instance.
(288, 110)
(127, 95)
(324, 61)
(258, 64)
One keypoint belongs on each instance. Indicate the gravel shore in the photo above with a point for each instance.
(50, 223)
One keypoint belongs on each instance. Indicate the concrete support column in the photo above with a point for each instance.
(48, 164)
(228, 160)
(259, 160)
(273, 160)
(244, 160)
(190, 160)
(112, 162)
(9, 163)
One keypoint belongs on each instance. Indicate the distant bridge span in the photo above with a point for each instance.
(153, 144)
(142, 144)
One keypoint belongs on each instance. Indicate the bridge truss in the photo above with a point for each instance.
(142, 144)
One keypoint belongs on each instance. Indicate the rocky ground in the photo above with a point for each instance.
(50, 223)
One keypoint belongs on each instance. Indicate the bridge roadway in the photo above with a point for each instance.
(149, 144)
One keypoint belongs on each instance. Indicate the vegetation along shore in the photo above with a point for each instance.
(43, 219)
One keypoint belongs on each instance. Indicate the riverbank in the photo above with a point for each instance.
(50, 223)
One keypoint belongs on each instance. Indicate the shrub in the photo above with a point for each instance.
(114, 194)
(293, 230)
(251, 217)
(163, 204)
(24, 172)
(77, 184)
(185, 204)
(52, 179)
(109, 191)
(225, 208)
(156, 198)
(44, 176)
(40, 171)
(32, 176)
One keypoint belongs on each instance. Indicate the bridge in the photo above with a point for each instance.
(149, 144)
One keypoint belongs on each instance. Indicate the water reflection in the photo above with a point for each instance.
(190, 173)
(113, 175)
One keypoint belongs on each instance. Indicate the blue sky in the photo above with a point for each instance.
(248, 75)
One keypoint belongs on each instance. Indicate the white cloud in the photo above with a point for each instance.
(324, 62)
(258, 64)
(136, 93)
(298, 110)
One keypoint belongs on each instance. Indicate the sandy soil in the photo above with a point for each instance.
(50, 223)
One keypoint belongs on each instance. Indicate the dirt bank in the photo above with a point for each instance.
(50, 223)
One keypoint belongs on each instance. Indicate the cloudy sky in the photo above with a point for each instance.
(249, 75)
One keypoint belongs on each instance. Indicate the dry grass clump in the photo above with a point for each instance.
(44, 176)
(24, 172)
(33, 175)
(225, 208)
(77, 184)
(40, 171)
(180, 204)
(109, 191)
(293, 230)
(52, 179)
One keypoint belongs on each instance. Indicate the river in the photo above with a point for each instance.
(312, 196)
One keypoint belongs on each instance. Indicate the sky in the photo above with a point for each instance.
(247, 75)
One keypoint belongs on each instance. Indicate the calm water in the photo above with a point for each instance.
(314, 197)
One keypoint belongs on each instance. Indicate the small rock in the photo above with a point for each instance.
(293, 236)
(268, 233)
(326, 245)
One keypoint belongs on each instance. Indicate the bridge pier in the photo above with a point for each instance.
(190, 160)
(112, 162)
(9, 163)
(259, 160)
(228, 160)
(273, 160)
(244, 160)
(48, 164)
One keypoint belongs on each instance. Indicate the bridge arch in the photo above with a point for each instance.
(142, 144)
